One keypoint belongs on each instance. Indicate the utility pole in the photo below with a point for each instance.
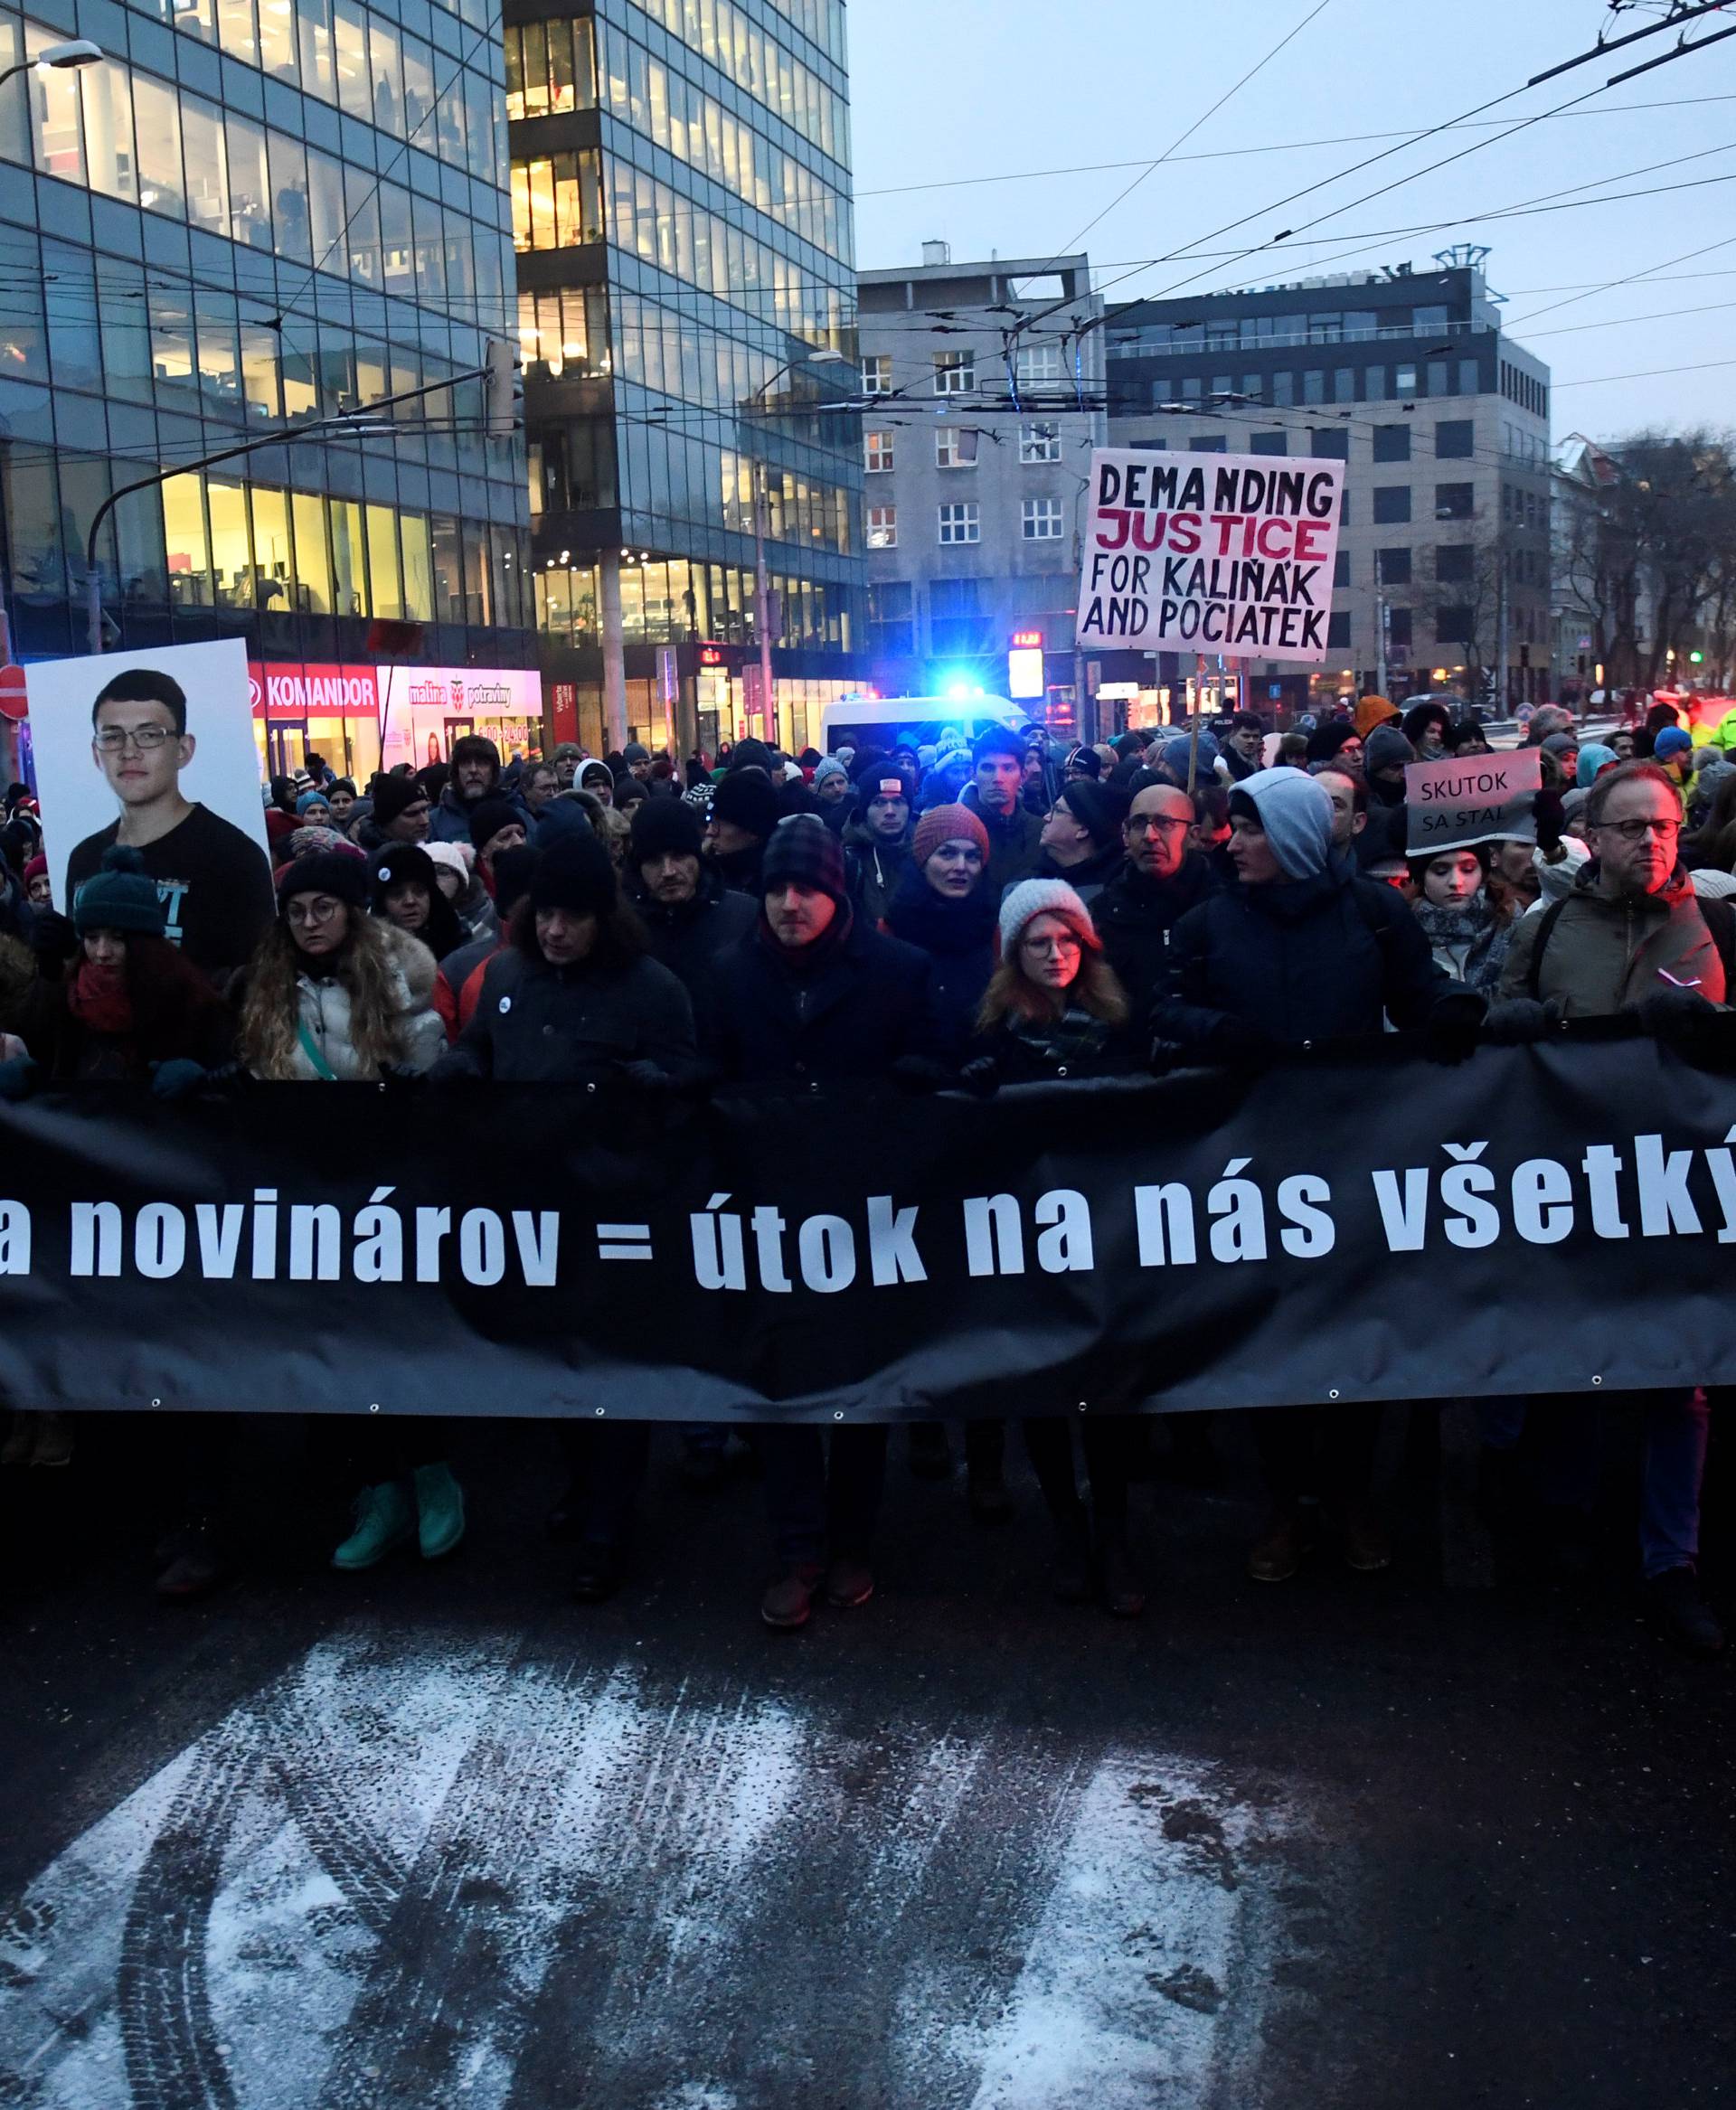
(766, 727)
(1504, 700)
(1382, 626)
(609, 609)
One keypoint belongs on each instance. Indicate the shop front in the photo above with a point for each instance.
(359, 718)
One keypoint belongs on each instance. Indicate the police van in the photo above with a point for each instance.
(886, 722)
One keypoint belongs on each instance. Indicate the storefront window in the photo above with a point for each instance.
(157, 112)
(388, 599)
(312, 560)
(184, 533)
(231, 558)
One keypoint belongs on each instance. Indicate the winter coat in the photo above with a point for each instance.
(459, 982)
(1601, 955)
(325, 1012)
(850, 1014)
(450, 820)
(1014, 842)
(958, 936)
(1087, 880)
(1298, 962)
(1469, 944)
(878, 869)
(534, 1023)
(1135, 916)
(691, 939)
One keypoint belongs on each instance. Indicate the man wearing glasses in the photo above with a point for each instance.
(1161, 879)
(214, 882)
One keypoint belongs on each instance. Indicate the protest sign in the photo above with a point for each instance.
(1484, 798)
(1229, 554)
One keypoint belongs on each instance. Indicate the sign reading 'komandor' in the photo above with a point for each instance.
(1226, 555)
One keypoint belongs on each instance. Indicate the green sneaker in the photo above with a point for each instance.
(384, 1520)
(440, 1510)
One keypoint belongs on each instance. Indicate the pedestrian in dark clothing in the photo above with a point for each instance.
(475, 778)
(1084, 839)
(1243, 744)
(993, 795)
(1054, 1011)
(744, 812)
(407, 890)
(692, 919)
(943, 907)
(1159, 882)
(1426, 726)
(458, 984)
(813, 996)
(879, 842)
(399, 812)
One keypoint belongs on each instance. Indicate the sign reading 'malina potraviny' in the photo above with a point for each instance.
(1228, 554)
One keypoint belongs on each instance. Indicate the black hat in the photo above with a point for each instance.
(749, 800)
(513, 869)
(1086, 759)
(400, 864)
(330, 871)
(751, 754)
(635, 751)
(394, 796)
(665, 827)
(1100, 809)
(489, 817)
(577, 875)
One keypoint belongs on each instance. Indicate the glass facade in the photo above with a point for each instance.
(681, 207)
(245, 220)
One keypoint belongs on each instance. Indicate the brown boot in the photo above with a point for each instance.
(1276, 1554)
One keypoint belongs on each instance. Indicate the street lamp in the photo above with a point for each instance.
(824, 356)
(58, 59)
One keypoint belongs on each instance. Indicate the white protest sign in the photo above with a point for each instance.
(1230, 554)
(1484, 798)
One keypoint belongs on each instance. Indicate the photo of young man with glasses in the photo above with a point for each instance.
(214, 880)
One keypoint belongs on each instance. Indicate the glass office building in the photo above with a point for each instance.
(681, 214)
(252, 216)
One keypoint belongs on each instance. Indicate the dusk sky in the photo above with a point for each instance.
(950, 89)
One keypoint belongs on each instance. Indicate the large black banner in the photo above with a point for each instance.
(1536, 1220)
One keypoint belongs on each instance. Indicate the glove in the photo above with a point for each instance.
(19, 1077)
(175, 1079)
(1450, 1034)
(920, 1075)
(1518, 1021)
(645, 1076)
(981, 1079)
(1235, 1041)
(1674, 1014)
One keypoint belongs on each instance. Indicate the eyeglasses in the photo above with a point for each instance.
(1145, 824)
(1637, 831)
(146, 739)
(1047, 946)
(320, 910)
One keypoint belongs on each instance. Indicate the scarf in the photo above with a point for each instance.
(97, 997)
(808, 959)
(922, 917)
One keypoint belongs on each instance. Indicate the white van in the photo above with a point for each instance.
(891, 721)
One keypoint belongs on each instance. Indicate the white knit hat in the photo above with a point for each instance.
(1033, 897)
(457, 857)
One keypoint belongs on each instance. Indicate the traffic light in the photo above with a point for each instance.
(1697, 658)
(501, 408)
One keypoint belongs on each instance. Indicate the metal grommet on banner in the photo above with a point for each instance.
(1332, 1395)
(599, 1411)
(838, 1414)
(373, 1406)
(1082, 1407)
(156, 1402)
(1597, 1380)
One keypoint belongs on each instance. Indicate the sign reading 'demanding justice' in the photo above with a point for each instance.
(1228, 554)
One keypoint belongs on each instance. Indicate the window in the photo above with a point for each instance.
(1338, 631)
(955, 446)
(1398, 627)
(1344, 385)
(960, 626)
(1470, 380)
(1428, 321)
(954, 372)
(1455, 501)
(1392, 567)
(1040, 364)
(1438, 382)
(1392, 505)
(1268, 443)
(1039, 443)
(1455, 439)
(877, 374)
(960, 523)
(882, 527)
(891, 619)
(1329, 443)
(1392, 443)
(1283, 390)
(1341, 569)
(1221, 336)
(1404, 381)
(1452, 562)
(1209, 443)
(1041, 520)
(877, 453)
(1313, 388)
(1455, 626)
(1325, 329)
(1373, 384)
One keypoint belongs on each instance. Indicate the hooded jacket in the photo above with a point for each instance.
(1601, 955)
(877, 868)
(1014, 842)
(324, 1014)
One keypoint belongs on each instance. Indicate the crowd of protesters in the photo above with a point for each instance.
(947, 918)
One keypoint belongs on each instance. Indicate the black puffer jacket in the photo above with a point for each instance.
(1298, 962)
(1134, 917)
(852, 1013)
(958, 936)
(538, 1025)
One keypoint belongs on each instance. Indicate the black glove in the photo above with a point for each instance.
(18, 1078)
(1237, 1041)
(175, 1079)
(981, 1079)
(1674, 1014)
(920, 1074)
(1518, 1021)
(1450, 1034)
(645, 1076)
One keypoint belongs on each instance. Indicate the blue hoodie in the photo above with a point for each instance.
(1296, 814)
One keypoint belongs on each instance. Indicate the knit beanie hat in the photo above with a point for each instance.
(394, 796)
(315, 797)
(457, 857)
(747, 800)
(121, 896)
(665, 827)
(313, 841)
(402, 864)
(34, 868)
(948, 824)
(751, 754)
(488, 817)
(594, 773)
(1672, 741)
(1385, 746)
(1100, 809)
(1086, 759)
(803, 851)
(578, 874)
(829, 769)
(883, 782)
(513, 869)
(633, 752)
(1033, 897)
(347, 878)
